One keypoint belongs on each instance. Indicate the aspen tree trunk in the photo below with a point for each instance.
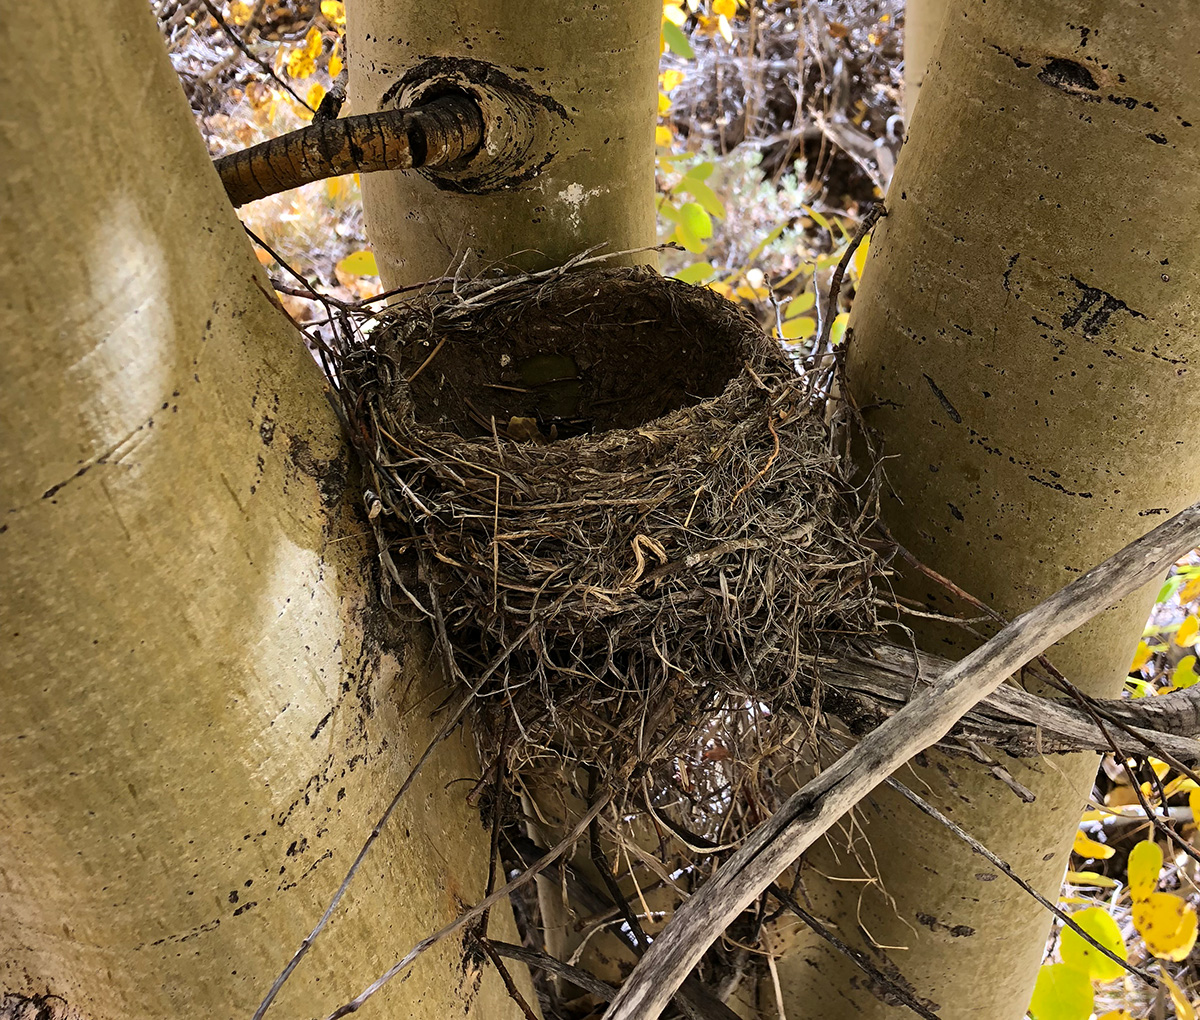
(200, 724)
(1024, 343)
(599, 64)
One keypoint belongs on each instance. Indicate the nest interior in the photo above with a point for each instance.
(629, 516)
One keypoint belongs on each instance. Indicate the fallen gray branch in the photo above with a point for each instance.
(879, 682)
(925, 720)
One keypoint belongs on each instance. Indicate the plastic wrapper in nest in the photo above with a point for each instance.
(618, 501)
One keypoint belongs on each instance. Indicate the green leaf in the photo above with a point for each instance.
(1083, 956)
(693, 216)
(1061, 993)
(677, 41)
(700, 172)
(668, 211)
(687, 237)
(695, 273)
(1139, 688)
(705, 196)
(1168, 590)
(800, 304)
(1185, 673)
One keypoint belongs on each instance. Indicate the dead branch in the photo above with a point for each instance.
(869, 687)
(927, 718)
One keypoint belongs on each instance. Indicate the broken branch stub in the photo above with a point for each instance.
(521, 127)
(439, 133)
(464, 124)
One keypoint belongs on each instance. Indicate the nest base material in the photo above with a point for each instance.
(627, 514)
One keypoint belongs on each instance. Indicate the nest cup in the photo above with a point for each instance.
(628, 514)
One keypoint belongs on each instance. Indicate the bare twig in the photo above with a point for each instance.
(510, 985)
(856, 957)
(468, 916)
(1003, 866)
(543, 961)
(441, 735)
(240, 43)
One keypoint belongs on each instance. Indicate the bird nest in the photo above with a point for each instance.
(619, 502)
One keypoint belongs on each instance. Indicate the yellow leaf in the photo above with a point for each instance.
(669, 80)
(1194, 804)
(335, 61)
(674, 13)
(722, 288)
(1161, 768)
(1145, 862)
(1061, 993)
(664, 104)
(313, 42)
(838, 329)
(748, 293)
(238, 13)
(1087, 847)
(1190, 591)
(1188, 633)
(301, 63)
(1140, 657)
(1167, 924)
(1180, 784)
(1092, 878)
(335, 11)
(1183, 1008)
(1116, 1014)
(725, 8)
(662, 136)
(860, 257)
(359, 263)
(316, 93)
(724, 28)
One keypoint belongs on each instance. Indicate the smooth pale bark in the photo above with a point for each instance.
(922, 28)
(598, 61)
(199, 725)
(1024, 341)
